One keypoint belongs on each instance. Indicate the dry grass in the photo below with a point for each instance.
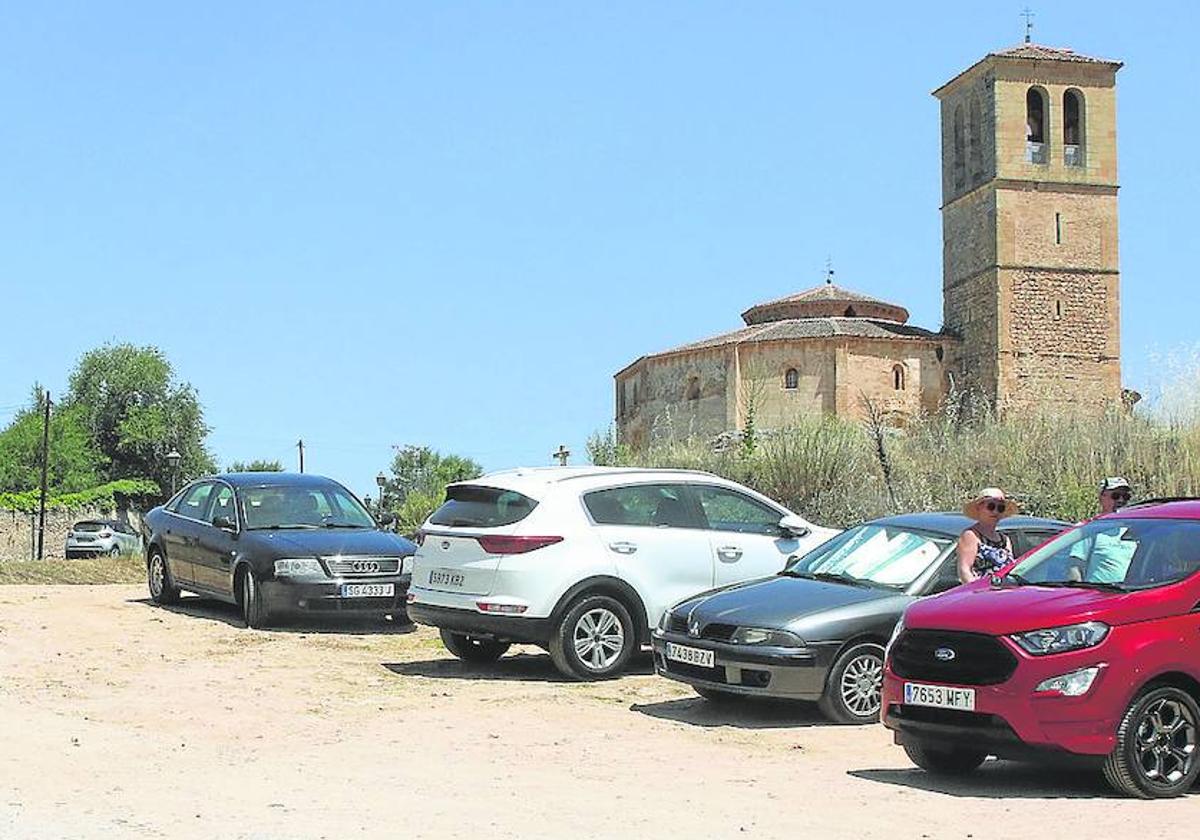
(124, 569)
(838, 472)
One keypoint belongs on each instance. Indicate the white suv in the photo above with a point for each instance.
(583, 561)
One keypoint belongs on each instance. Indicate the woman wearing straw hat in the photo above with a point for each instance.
(982, 549)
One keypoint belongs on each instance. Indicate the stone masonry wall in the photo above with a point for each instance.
(674, 397)
(972, 313)
(17, 528)
(763, 367)
(974, 98)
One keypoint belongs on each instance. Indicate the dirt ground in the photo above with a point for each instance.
(122, 719)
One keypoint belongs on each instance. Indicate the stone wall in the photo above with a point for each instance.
(763, 369)
(971, 160)
(867, 370)
(18, 530)
(674, 397)
(972, 313)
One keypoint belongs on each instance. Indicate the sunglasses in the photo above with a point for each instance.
(1121, 497)
(994, 507)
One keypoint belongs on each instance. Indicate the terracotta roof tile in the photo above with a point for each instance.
(1043, 53)
(826, 291)
(802, 328)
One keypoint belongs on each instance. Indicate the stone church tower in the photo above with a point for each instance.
(1029, 220)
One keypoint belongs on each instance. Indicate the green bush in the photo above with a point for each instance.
(104, 496)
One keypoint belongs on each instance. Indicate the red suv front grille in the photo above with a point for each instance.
(974, 659)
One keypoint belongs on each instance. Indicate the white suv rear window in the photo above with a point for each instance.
(472, 506)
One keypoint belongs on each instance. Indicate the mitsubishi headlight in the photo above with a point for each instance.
(761, 636)
(1062, 639)
(406, 564)
(299, 567)
(664, 619)
(1072, 684)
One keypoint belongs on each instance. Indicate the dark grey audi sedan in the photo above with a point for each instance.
(817, 629)
(275, 543)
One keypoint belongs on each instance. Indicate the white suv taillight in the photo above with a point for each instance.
(506, 609)
(515, 545)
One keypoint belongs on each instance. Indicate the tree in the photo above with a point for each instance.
(136, 411)
(418, 485)
(257, 465)
(74, 464)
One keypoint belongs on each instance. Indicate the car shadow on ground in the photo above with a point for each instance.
(1005, 780)
(219, 611)
(520, 667)
(741, 713)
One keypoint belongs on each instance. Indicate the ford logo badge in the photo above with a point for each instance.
(944, 654)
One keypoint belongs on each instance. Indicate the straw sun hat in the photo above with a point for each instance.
(990, 494)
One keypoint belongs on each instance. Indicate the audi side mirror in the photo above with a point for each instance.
(224, 523)
(794, 526)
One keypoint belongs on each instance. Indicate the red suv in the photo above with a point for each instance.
(1089, 645)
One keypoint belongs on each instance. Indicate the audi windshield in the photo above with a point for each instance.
(284, 507)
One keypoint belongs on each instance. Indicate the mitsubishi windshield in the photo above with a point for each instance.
(873, 555)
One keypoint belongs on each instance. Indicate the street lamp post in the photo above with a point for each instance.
(381, 480)
(173, 459)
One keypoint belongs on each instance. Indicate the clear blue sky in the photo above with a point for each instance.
(368, 224)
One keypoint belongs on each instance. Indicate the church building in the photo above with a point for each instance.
(1030, 280)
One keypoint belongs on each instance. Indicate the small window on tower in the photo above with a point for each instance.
(898, 377)
(1058, 309)
(1058, 228)
(850, 313)
(791, 379)
(693, 388)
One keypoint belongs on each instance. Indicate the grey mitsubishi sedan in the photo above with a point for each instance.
(817, 629)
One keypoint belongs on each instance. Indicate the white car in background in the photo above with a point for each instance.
(582, 561)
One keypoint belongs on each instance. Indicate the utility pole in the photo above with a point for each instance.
(300, 446)
(45, 465)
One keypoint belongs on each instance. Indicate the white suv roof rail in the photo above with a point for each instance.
(555, 475)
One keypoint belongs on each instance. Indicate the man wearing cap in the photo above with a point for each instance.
(1105, 557)
(1115, 493)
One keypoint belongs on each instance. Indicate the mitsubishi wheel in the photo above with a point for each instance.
(854, 686)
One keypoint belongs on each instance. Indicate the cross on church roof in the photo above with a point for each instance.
(1027, 13)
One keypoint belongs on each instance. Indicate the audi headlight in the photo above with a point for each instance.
(1072, 684)
(761, 636)
(1062, 639)
(299, 567)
